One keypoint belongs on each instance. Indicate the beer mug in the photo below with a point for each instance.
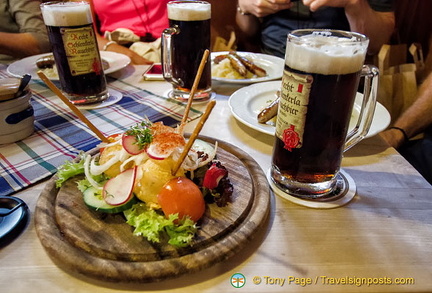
(321, 77)
(76, 54)
(183, 45)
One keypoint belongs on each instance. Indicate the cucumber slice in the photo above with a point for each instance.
(94, 200)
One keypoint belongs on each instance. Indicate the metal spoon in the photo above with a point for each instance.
(23, 84)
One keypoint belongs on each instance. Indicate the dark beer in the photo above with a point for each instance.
(327, 119)
(190, 32)
(187, 54)
(319, 86)
(75, 50)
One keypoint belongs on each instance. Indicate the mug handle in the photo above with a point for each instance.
(370, 73)
(167, 56)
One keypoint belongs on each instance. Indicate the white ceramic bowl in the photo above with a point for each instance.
(16, 118)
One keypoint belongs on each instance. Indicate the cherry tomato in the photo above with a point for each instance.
(180, 195)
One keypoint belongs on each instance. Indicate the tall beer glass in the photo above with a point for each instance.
(75, 50)
(319, 86)
(183, 45)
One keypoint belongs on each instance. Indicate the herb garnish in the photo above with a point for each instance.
(142, 133)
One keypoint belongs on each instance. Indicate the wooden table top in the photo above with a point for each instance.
(379, 242)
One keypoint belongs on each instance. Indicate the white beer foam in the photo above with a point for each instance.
(189, 11)
(67, 14)
(325, 55)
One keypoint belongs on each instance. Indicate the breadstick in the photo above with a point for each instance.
(194, 135)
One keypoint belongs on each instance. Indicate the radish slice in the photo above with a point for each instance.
(213, 176)
(154, 153)
(129, 143)
(118, 190)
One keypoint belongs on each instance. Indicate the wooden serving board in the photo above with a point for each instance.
(102, 246)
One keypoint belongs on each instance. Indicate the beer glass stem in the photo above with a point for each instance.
(370, 73)
(167, 63)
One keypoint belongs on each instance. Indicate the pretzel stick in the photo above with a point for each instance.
(74, 109)
(194, 135)
(195, 85)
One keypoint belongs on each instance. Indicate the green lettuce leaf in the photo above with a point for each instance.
(70, 169)
(150, 224)
(83, 185)
(181, 235)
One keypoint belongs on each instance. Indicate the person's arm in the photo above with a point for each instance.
(248, 17)
(249, 27)
(415, 119)
(136, 59)
(19, 45)
(377, 26)
(32, 37)
(261, 8)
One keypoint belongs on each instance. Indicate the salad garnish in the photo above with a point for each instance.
(142, 133)
(150, 224)
(132, 175)
(70, 169)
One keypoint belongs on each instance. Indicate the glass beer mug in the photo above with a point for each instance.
(183, 45)
(319, 85)
(75, 49)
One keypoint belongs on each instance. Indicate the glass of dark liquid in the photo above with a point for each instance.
(183, 45)
(321, 78)
(76, 54)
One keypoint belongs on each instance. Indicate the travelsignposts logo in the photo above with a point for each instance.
(238, 280)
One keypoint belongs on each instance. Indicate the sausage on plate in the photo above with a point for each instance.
(270, 111)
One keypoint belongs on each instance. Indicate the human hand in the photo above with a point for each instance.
(136, 59)
(393, 137)
(314, 5)
(261, 8)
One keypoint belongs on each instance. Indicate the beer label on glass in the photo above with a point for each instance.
(81, 50)
(293, 107)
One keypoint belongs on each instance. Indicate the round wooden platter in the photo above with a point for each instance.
(103, 247)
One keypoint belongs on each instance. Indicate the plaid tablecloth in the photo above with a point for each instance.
(60, 136)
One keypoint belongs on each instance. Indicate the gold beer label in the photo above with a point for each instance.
(81, 50)
(293, 107)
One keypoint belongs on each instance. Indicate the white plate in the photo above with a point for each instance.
(273, 66)
(114, 97)
(18, 68)
(247, 102)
